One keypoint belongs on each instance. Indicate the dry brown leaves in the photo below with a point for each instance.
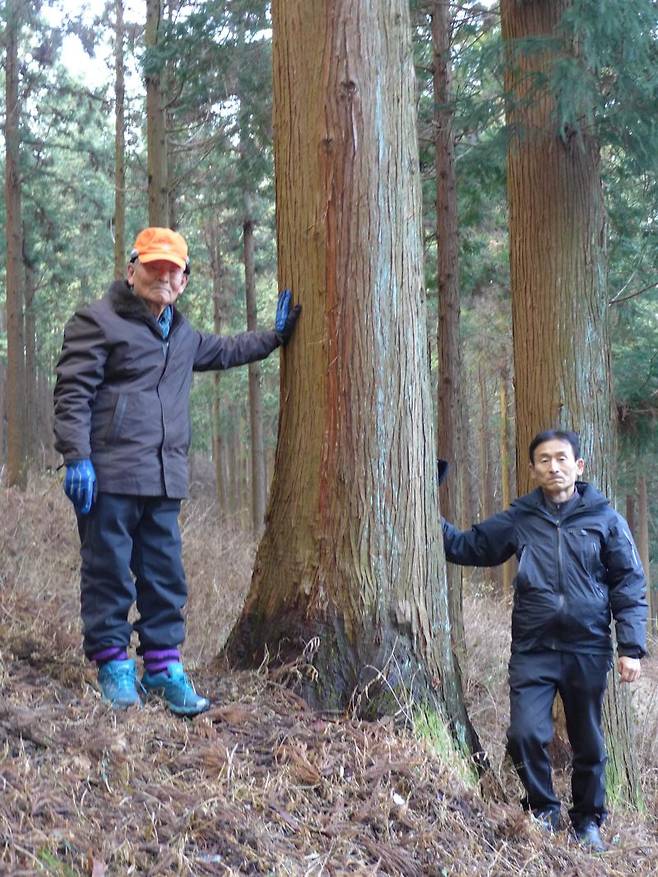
(258, 785)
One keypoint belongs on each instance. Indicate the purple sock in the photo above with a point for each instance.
(156, 660)
(111, 653)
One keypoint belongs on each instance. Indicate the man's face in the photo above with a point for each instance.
(159, 283)
(555, 469)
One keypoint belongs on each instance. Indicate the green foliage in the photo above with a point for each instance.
(635, 354)
(430, 726)
(613, 78)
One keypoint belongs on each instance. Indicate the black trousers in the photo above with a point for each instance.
(131, 553)
(534, 679)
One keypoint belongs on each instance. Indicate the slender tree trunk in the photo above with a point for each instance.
(244, 473)
(15, 282)
(471, 456)
(450, 430)
(219, 440)
(350, 571)
(31, 397)
(119, 146)
(258, 485)
(233, 456)
(44, 421)
(643, 540)
(487, 467)
(156, 128)
(630, 514)
(487, 503)
(559, 311)
(507, 568)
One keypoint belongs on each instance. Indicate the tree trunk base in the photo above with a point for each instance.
(376, 676)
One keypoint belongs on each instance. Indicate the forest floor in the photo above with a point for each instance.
(260, 784)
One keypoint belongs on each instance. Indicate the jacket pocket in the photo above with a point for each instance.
(527, 576)
(585, 549)
(118, 415)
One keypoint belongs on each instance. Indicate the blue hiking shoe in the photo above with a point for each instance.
(118, 683)
(178, 692)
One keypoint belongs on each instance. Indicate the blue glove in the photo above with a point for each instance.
(286, 317)
(80, 485)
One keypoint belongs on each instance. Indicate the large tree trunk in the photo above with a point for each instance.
(119, 146)
(559, 311)
(450, 429)
(258, 485)
(350, 572)
(156, 122)
(15, 283)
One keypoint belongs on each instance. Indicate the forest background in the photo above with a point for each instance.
(216, 61)
(212, 63)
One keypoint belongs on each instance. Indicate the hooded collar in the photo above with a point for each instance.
(589, 495)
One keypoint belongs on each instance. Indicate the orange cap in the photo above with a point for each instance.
(153, 244)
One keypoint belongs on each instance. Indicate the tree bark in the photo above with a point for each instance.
(119, 146)
(350, 576)
(258, 485)
(449, 407)
(559, 309)
(156, 124)
(15, 282)
(557, 257)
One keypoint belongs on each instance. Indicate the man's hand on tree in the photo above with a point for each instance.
(80, 485)
(629, 669)
(286, 317)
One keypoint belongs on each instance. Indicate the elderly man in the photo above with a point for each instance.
(122, 424)
(577, 566)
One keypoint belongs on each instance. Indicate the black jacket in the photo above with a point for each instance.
(573, 573)
(122, 391)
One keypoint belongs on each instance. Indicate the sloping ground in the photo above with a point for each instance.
(258, 785)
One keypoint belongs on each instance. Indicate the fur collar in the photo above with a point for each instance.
(125, 303)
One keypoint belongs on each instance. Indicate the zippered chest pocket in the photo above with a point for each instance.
(585, 547)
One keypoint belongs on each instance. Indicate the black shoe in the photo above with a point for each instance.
(546, 820)
(589, 836)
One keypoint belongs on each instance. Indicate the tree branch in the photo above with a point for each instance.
(616, 301)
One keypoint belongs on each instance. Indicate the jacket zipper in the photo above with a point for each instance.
(560, 566)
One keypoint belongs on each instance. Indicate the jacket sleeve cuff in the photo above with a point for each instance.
(630, 652)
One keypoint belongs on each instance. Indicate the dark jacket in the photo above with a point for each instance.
(573, 572)
(122, 391)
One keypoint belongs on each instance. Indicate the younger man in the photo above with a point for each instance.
(578, 565)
